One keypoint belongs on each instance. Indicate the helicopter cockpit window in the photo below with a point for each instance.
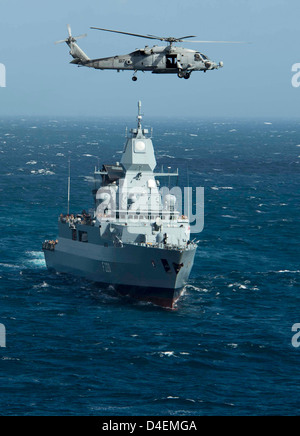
(198, 57)
(204, 57)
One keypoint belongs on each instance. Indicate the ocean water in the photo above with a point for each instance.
(75, 349)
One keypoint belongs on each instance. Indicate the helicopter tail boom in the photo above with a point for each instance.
(79, 56)
(75, 51)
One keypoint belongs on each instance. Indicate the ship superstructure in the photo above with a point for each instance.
(134, 239)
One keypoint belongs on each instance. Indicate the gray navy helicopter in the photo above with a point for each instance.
(168, 59)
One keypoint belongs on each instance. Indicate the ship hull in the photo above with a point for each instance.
(143, 273)
(163, 297)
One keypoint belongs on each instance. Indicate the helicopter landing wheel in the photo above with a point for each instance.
(134, 78)
(187, 76)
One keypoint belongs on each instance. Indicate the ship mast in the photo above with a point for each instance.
(140, 117)
(69, 186)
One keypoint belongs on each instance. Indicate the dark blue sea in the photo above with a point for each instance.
(75, 349)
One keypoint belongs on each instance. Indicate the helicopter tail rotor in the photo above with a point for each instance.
(80, 58)
(71, 38)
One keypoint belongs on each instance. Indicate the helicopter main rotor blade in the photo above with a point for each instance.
(185, 37)
(171, 39)
(125, 33)
(160, 38)
(220, 42)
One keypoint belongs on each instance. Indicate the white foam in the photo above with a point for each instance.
(229, 216)
(42, 285)
(217, 188)
(167, 353)
(42, 172)
(232, 345)
(167, 155)
(36, 258)
(9, 265)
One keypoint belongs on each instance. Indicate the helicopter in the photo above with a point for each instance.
(168, 59)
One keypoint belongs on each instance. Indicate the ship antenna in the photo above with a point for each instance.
(69, 186)
(188, 199)
(140, 115)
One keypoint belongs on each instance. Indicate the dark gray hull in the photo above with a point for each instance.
(143, 273)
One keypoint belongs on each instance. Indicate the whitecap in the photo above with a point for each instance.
(232, 345)
(42, 172)
(9, 358)
(36, 258)
(89, 179)
(229, 216)
(195, 288)
(31, 162)
(167, 353)
(9, 265)
(167, 155)
(42, 285)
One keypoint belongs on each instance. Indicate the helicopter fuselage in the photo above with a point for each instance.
(159, 60)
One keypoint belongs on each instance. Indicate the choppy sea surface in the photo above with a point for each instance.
(75, 349)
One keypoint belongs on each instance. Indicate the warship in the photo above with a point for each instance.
(134, 239)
